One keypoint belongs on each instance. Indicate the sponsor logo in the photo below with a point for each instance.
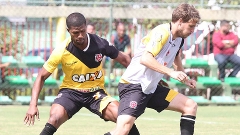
(133, 104)
(97, 96)
(70, 64)
(98, 57)
(86, 90)
(87, 77)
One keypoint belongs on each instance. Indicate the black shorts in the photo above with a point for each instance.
(134, 102)
(73, 101)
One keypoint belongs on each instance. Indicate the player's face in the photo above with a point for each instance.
(78, 35)
(186, 29)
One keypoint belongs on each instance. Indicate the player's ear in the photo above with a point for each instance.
(180, 21)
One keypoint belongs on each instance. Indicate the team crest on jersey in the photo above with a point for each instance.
(98, 57)
(59, 95)
(133, 104)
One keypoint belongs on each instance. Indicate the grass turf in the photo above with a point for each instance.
(211, 120)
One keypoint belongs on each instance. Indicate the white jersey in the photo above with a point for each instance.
(158, 42)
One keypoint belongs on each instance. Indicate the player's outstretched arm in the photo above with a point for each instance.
(149, 61)
(37, 86)
(123, 58)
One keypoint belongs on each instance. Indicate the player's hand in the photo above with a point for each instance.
(191, 83)
(178, 75)
(30, 115)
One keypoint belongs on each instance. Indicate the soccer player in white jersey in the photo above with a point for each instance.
(139, 86)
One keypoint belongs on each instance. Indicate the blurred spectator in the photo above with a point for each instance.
(205, 31)
(2, 65)
(91, 28)
(123, 43)
(224, 45)
(207, 34)
(121, 40)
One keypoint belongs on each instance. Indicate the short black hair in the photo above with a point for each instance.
(92, 24)
(224, 22)
(75, 20)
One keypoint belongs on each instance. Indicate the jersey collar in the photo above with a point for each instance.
(88, 38)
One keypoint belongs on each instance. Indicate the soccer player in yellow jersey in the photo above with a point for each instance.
(158, 51)
(83, 83)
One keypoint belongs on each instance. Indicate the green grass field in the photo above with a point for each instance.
(211, 120)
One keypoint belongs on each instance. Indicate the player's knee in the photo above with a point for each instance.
(124, 124)
(126, 129)
(111, 111)
(190, 107)
(54, 119)
(114, 107)
(114, 115)
(123, 130)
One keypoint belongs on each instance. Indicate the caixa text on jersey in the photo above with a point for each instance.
(87, 77)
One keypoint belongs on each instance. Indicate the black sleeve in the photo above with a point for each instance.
(180, 46)
(110, 49)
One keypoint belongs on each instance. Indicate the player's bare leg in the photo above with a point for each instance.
(111, 113)
(188, 108)
(125, 124)
(58, 116)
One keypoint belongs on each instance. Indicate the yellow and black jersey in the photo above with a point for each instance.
(82, 68)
